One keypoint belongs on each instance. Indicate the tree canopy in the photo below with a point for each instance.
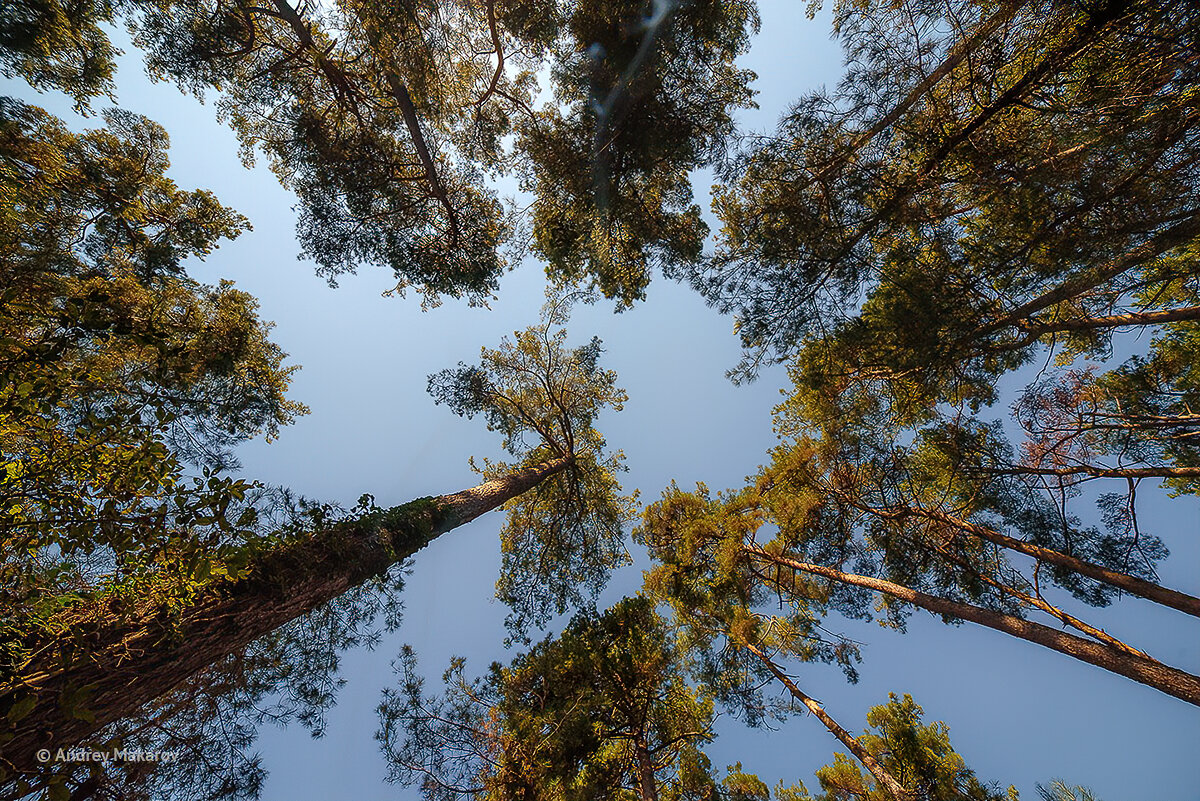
(919, 754)
(976, 256)
(120, 375)
(563, 538)
(386, 120)
(601, 711)
(985, 177)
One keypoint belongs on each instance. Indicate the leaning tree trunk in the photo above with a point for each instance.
(1189, 604)
(1169, 680)
(133, 659)
(886, 780)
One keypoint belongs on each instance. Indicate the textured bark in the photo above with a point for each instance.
(134, 659)
(1166, 679)
(881, 774)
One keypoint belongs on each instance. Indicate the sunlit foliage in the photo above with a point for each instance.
(561, 539)
(918, 754)
(388, 119)
(603, 711)
(985, 177)
(119, 375)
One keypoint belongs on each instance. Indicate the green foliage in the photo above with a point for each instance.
(919, 756)
(968, 196)
(540, 395)
(986, 181)
(925, 516)
(983, 176)
(741, 786)
(63, 46)
(600, 712)
(1061, 791)
(119, 375)
(385, 120)
(645, 93)
(907, 510)
(725, 604)
(562, 538)
(374, 116)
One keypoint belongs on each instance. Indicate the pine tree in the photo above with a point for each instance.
(385, 120)
(603, 711)
(104, 655)
(919, 754)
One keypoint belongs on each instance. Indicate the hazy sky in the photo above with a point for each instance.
(1018, 713)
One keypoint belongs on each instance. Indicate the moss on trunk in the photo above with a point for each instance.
(70, 693)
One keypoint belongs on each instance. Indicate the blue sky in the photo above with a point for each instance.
(1018, 713)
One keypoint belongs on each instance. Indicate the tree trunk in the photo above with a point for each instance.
(1161, 242)
(885, 779)
(1095, 471)
(647, 789)
(1131, 584)
(136, 658)
(1040, 327)
(1169, 680)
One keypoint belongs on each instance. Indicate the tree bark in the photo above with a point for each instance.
(411, 121)
(1166, 679)
(1095, 471)
(1039, 327)
(647, 789)
(132, 660)
(1188, 604)
(886, 779)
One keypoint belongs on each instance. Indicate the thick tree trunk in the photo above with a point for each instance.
(136, 658)
(1169, 680)
(885, 779)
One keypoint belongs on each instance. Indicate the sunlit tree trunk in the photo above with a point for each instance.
(885, 779)
(136, 658)
(1123, 581)
(1154, 674)
(1113, 321)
